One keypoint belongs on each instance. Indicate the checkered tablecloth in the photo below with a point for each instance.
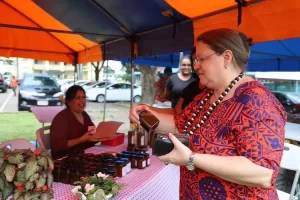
(157, 181)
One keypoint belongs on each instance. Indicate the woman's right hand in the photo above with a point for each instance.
(87, 137)
(135, 110)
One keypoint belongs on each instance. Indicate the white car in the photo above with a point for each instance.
(115, 92)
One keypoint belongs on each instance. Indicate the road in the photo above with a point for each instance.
(117, 111)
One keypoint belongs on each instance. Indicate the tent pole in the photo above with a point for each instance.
(132, 71)
(105, 90)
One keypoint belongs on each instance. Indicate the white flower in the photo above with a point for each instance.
(88, 187)
(104, 176)
(75, 189)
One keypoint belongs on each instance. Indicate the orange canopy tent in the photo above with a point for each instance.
(91, 30)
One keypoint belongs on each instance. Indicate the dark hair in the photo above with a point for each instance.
(193, 71)
(71, 93)
(168, 69)
(222, 39)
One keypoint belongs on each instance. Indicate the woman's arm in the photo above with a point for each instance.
(236, 169)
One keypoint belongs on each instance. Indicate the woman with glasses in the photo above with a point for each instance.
(177, 82)
(236, 126)
(69, 129)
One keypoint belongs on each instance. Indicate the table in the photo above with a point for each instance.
(292, 131)
(158, 181)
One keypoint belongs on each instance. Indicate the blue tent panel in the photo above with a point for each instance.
(281, 55)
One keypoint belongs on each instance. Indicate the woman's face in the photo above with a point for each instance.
(78, 103)
(186, 67)
(210, 65)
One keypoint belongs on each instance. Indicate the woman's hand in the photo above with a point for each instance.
(179, 155)
(135, 110)
(87, 137)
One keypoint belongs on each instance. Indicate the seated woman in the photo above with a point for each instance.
(235, 125)
(69, 128)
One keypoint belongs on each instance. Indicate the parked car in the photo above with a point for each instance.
(96, 85)
(38, 90)
(290, 101)
(66, 86)
(3, 85)
(115, 92)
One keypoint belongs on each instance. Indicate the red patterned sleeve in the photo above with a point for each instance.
(259, 129)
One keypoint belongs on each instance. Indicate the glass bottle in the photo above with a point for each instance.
(127, 164)
(147, 158)
(131, 136)
(120, 168)
(141, 162)
(141, 138)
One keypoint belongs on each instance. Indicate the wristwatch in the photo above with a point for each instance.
(190, 166)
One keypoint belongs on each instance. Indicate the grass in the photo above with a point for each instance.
(24, 125)
(18, 125)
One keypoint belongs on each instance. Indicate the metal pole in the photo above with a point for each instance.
(132, 72)
(105, 91)
(17, 75)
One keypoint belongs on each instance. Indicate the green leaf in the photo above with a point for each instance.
(21, 176)
(49, 179)
(17, 195)
(50, 162)
(7, 191)
(43, 162)
(35, 177)
(9, 172)
(15, 158)
(31, 168)
(2, 183)
(35, 195)
(41, 182)
(100, 195)
(29, 185)
(27, 196)
(45, 196)
(2, 168)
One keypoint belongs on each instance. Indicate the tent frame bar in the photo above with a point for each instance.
(57, 31)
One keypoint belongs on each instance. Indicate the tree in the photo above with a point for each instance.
(149, 77)
(98, 69)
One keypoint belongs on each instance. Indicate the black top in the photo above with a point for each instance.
(189, 93)
(176, 86)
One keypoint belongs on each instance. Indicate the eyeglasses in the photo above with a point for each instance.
(198, 60)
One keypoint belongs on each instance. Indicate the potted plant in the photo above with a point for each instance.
(97, 187)
(26, 174)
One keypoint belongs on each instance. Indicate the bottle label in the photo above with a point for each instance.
(124, 171)
(144, 163)
(136, 163)
(148, 161)
(142, 140)
(132, 140)
(129, 167)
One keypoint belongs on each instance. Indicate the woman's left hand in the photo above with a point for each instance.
(179, 155)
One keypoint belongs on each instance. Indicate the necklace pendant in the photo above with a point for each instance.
(191, 132)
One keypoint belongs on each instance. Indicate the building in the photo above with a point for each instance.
(60, 70)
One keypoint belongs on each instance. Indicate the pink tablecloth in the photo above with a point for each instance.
(157, 181)
(46, 114)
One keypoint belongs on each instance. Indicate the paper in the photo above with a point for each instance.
(106, 130)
